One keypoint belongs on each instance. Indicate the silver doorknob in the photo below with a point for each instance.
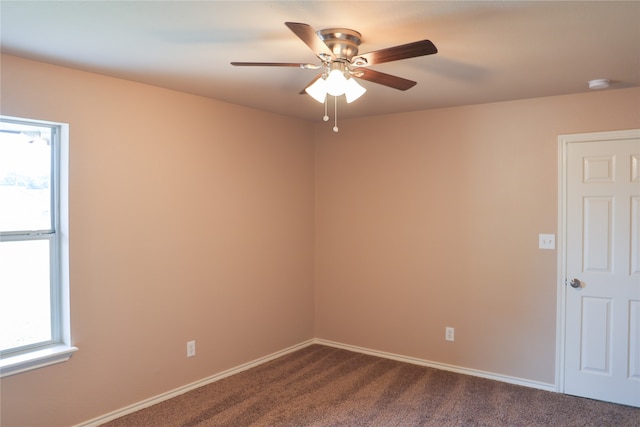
(575, 283)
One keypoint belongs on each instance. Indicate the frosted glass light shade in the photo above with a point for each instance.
(353, 90)
(336, 83)
(318, 90)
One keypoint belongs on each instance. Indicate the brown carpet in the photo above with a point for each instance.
(325, 386)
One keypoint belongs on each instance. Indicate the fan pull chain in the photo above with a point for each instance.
(326, 116)
(335, 114)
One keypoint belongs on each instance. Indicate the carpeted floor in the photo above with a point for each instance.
(325, 386)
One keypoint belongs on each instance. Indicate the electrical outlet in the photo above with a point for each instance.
(449, 333)
(191, 348)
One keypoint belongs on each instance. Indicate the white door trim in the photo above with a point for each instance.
(563, 142)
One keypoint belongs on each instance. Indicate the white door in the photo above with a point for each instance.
(602, 265)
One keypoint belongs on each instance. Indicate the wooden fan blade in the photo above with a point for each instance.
(409, 50)
(383, 78)
(276, 64)
(310, 38)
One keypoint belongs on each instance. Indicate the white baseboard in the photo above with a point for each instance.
(216, 377)
(442, 366)
(181, 390)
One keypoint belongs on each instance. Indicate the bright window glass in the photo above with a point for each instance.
(25, 177)
(25, 294)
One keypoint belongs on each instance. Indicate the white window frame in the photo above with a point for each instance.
(59, 349)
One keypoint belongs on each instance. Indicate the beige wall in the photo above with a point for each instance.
(431, 219)
(194, 219)
(191, 219)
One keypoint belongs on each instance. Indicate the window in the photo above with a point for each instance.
(34, 284)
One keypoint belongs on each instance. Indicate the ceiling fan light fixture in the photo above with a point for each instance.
(336, 83)
(318, 90)
(353, 90)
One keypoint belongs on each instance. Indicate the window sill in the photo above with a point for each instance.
(35, 359)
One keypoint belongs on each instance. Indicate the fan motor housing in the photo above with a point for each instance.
(343, 42)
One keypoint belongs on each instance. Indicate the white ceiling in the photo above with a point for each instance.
(488, 51)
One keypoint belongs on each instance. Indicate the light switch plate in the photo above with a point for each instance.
(546, 241)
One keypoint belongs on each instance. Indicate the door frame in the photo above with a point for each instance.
(563, 143)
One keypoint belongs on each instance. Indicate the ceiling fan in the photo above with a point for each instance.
(337, 49)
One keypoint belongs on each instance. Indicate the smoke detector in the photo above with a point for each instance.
(599, 84)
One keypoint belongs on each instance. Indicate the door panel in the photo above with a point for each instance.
(602, 313)
(635, 236)
(634, 340)
(595, 354)
(597, 214)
